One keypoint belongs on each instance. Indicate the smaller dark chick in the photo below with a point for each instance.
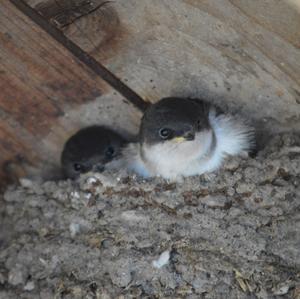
(89, 150)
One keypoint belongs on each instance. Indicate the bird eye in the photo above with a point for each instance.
(109, 152)
(77, 167)
(165, 133)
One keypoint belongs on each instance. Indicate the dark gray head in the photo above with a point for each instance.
(90, 149)
(174, 118)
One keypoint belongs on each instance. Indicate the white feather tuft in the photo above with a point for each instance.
(233, 136)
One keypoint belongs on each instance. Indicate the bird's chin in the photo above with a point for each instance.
(172, 152)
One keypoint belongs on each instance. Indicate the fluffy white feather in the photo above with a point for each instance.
(172, 160)
(232, 134)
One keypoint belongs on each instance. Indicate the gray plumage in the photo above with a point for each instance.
(90, 149)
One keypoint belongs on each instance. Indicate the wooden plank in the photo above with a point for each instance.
(244, 54)
(46, 95)
(83, 56)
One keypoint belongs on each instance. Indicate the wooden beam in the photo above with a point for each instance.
(81, 55)
(47, 94)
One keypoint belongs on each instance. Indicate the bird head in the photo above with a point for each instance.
(89, 150)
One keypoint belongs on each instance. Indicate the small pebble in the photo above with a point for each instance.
(162, 260)
(29, 286)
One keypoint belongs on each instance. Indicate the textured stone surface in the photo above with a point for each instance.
(234, 236)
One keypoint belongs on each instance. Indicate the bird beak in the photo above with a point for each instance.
(179, 139)
(189, 136)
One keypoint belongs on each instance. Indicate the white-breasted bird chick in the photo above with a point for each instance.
(184, 137)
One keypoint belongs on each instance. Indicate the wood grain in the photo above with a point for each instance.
(241, 54)
(46, 95)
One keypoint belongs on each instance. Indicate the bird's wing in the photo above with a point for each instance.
(134, 162)
(129, 160)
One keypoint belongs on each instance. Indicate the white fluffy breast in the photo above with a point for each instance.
(171, 159)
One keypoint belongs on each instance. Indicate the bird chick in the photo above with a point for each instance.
(89, 150)
(184, 137)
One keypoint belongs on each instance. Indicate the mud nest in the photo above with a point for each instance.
(235, 234)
